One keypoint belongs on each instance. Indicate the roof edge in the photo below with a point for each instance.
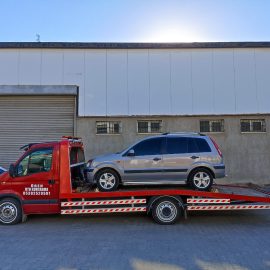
(38, 90)
(120, 45)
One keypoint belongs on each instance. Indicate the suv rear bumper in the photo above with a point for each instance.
(219, 171)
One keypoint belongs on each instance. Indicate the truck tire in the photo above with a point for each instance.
(10, 211)
(201, 179)
(107, 180)
(166, 211)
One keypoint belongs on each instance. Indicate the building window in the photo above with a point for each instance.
(149, 126)
(212, 125)
(253, 125)
(108, 127)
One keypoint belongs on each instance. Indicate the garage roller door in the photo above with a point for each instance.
(26, 119)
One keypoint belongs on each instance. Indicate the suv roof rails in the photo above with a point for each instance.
(183, 133)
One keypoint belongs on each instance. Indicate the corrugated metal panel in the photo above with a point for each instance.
(26, 119)
(148, 81)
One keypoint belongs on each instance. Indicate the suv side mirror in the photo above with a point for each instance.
(12, 170)
(131, 153)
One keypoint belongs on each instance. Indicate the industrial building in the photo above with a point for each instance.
(112, 94)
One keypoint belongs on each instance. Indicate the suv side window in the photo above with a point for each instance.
(202, 145)
(36, 162)
(192, 146)
(149, 147)
(177, 145)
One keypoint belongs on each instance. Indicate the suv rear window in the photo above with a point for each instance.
(202, 145)
(182, 145)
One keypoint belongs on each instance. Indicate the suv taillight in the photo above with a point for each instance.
(216, 146)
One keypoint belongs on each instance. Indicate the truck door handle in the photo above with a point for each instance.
(194, 157)
(51, 182)
(156, 159)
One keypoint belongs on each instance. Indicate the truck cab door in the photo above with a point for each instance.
(37, 182)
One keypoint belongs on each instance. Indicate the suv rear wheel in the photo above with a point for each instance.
(201, 179)
(107, 180)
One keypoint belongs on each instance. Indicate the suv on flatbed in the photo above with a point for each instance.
(169, 158)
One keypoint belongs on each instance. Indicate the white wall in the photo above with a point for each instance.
(149, 82)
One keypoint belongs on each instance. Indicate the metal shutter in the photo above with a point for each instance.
(27, 119)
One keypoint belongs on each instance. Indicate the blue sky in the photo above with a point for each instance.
(135, 20)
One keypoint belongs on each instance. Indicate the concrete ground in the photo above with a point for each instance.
(221, 240)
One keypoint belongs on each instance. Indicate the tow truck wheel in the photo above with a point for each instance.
(10, 211)
(166, 211)
(107, 180)
(201, 179)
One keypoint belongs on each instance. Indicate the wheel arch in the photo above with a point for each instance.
(154, 199)
(108, 168)
(12, 196)
(201, 167)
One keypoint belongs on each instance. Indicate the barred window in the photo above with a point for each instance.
(212, 125)
(108, 127)
(149, 126)
(253, 125)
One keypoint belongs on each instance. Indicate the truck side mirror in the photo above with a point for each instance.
(12, 170)
(131, 153)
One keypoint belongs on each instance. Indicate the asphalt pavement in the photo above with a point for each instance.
(221, 240)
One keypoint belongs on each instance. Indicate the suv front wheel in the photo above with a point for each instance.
(107, 180)
(201, 179)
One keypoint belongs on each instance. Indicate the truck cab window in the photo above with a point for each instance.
(22, 168)
(76, 155)
(36, 162)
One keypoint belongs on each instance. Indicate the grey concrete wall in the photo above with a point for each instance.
(247, 156)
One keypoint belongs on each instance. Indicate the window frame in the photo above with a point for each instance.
(149, 129)
(263, 124)
(108, 128)
(29, 155)
(210, 125)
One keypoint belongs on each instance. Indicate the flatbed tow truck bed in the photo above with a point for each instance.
(221, 197)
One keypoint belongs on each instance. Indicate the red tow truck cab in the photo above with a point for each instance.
(42, 173)
(49, 178)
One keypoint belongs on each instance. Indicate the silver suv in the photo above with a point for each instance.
(169, 158)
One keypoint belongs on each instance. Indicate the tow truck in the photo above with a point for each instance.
(50, 178)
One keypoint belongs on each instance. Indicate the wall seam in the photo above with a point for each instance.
(63, 66)
(149, 84)
(170, 59)
(191, 83)
(127, 84)
(256, 79)
(213, 81)
(40, 67)
(84, 84)
(234, 81)
(18, 67)
(106, 99)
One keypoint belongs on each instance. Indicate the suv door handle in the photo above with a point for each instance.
(194, 157)
(156, 159)
(51, 182)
